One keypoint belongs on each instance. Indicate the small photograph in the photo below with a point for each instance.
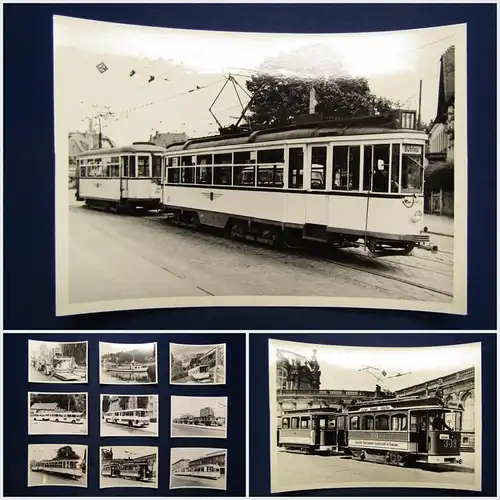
(348, 416)
(203, 468)
(197, 364)
(128, 363)
(57, 465)
(129, 415)
(57, 362)
(57, 413)
(194, 416)
(129, 466)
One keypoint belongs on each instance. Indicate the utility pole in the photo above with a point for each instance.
(100, 134)
(420, 106)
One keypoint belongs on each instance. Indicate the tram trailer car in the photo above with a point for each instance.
(203, 471)
(313, 430)
(340, 182)
(66, 468)
(405, 431)
(123, 179)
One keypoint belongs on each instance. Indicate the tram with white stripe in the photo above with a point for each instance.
(123, 179)
(345, 182)
(210, 471)
(138, 471)
(67, 468)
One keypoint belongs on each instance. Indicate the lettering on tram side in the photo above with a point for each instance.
(368, 443)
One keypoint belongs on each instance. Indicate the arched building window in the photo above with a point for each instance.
(468, 415)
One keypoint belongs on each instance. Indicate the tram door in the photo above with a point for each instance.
(316, 185)
(326, 430)
(127, 163)
(419, 418)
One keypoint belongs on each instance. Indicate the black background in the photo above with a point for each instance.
(16, 437)
(259, 408)
(29, 160)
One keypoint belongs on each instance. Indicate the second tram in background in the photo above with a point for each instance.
(124, 179)
(340, 182)
(400, 431)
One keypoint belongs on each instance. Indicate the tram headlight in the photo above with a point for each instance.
(417, 216)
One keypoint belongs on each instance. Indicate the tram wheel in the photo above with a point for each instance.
(396, 458)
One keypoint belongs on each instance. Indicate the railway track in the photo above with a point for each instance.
(315, 254)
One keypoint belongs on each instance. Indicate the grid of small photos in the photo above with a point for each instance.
(66, 413)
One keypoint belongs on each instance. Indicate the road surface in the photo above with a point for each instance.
(38, 376)
(119, 482)
(297, 471)
(114, 257)
(185, 430)
(36, 478)
(44, 427)
(198, 482)
(109, 429)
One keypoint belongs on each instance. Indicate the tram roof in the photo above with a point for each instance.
(314, 411)
(368, 125)
(133, 148)
(396, 403)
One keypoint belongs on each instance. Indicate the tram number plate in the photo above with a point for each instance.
(444, 436)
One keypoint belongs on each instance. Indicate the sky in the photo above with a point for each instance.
(189, 350)
(132, 451)
(48, 451)
(181, 60)
(193, 405)
(339, 365)
(107, 348)
(191, 453)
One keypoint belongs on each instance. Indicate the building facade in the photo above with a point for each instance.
(37, 408)
(168, 138)
(207, 415)
(183, 463)
(214, 458)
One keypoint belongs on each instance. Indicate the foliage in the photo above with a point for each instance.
(66, 453)
(67, 402)
(123, 402)
(77, 351)
(280, 100)
(177, 370)
(142, 401)
(105, 404)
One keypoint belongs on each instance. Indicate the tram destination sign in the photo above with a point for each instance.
(386, 445)
(411, 149)
(376, 408)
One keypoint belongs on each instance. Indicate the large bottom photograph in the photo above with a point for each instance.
(344, 417)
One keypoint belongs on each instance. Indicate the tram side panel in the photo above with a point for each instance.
(141, 190)
(99, 189)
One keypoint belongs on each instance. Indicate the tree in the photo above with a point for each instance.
(314, 372)
(105, 404)
(123, 402)
(279, 101)
(142, 401)
(66, 453)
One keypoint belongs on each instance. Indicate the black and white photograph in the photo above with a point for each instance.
(192, 364)
(196, 416)
(202, 468)
(57, 362)
(128, 364)
(374, 417)
(129, 466)
(57, 465)
(268, 169)
(57, 413)
(134, 415)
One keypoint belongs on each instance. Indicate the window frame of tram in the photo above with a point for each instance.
(143, 166)
(319, 158)
(223, 169)
(270, 168)
(244, 163)
(407, 161)
(129, 166)
(204, 169)
(346, 162)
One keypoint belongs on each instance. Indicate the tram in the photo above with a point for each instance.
(313, 430)
(67, 468)
(123, 179)
(133, 418)
(210, 471)
(139, 471)
(405, 431)
(346, 182)
(200, 372)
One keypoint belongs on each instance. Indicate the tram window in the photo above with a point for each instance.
(396, 149)
(367, 168)
(399, 422)
(203, 175)
(97, 167)
(381, 168)
(305, 423)
(201, 159)
(332, 422)
(323, 423)
(124, 161)
(382, 423)
(340, 167)
(187, 175)
(173, 162)
(354, 161)
(244, 176)
(295, 423)
(157, 162)
(354, 424)
(223, 159)
(271, 156)
(83, 169)
(318, 167)
(285, 423)
(270, 176)
(367, 423)
(132, 166)
(295, 168)
(174, 175)
(106, 167)
(115, 166)
(143, 166)
(412, 173)
(223, 175)
(242, 158)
